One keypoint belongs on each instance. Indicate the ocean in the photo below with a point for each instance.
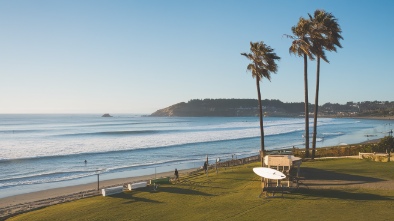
(39, 152)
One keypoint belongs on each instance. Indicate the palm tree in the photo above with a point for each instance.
(263, 64)
(301, 46)
(325, 34)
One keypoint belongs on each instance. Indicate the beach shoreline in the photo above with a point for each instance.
(376, 118)
(89, 187)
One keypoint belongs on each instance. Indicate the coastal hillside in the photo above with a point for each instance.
(249, 107)
(229, 108)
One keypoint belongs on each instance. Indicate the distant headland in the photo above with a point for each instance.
(106, 115)
(277, 108)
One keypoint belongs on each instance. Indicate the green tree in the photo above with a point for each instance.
(301, 46)
(386, 144)
(325, 34)
(263, 60)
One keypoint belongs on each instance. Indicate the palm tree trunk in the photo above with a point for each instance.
(262, 152)
(316, 108)
(306, 106)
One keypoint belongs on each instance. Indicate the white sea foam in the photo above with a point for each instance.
(44, 180)
(333, 134)
(56, 146)
(49, 146)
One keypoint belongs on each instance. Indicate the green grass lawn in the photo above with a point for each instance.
(356, 167)
(233, 195)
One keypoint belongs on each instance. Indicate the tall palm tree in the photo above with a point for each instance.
(263, 64)
(301, 46)
(325, 34)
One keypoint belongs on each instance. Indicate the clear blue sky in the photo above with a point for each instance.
(94, 56)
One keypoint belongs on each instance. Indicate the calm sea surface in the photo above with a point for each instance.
(38, 152)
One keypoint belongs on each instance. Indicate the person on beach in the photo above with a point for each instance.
(176, 175)
(205, 166)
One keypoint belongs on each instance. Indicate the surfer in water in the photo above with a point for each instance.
(86, 161)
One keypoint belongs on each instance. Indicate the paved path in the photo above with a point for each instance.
(320, 179)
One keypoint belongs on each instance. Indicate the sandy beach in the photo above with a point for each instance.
(377, 118)
(63, 191)
(50, 196)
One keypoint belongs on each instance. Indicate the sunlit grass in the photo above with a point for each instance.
(233, 195)
(381, 170)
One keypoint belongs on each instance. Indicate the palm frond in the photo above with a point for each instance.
(263, 60)
(301, 44)
(325, 33)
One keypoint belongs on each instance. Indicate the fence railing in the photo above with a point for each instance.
(24, 207)
(12, 210)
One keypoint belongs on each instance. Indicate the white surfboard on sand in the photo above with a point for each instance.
(269, 173)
